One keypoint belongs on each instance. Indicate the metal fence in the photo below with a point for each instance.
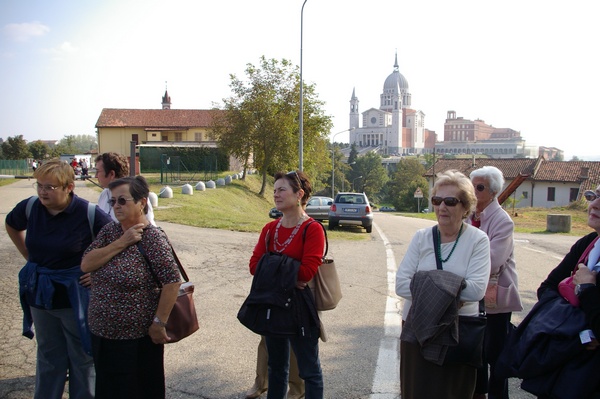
(19, 167)
(183, 165)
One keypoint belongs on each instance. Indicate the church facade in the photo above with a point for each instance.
(394, 128)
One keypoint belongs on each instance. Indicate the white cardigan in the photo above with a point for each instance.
(470, 259)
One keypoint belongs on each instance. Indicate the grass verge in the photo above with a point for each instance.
(236, 206)
(533, 220)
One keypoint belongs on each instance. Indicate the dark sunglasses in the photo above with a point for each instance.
(480, 187)
(448, 201)
(590, 195)
(295, 176)
(121, 201)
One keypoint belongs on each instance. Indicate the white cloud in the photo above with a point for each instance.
(63, 49)
(24, 31)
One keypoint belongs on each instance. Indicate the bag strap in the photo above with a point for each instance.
(436, 247)
(584, 256)
(91, 213)
(179, 265)
(324, 231)
(439, 265)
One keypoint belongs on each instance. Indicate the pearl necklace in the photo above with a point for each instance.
(287, 242)
(453, 247)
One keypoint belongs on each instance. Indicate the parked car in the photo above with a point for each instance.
(426, 210)
(318, 208)
(387, 209)
(274, 213)
(351, 209)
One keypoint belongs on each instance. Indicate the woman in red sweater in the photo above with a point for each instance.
(287, 236)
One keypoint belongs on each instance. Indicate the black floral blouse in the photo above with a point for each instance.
(124, 295)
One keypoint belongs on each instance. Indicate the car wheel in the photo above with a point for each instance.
(369, 229)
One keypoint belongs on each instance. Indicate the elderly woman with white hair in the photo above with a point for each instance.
(502, 296)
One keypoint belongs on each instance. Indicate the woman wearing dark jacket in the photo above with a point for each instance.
(287, 236)
(586, 288)
(585, 278)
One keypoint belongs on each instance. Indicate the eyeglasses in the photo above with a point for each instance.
(121, 201)
(590, 195)
(480, 187)
(295, 176)
(45, 187)
(448, 201)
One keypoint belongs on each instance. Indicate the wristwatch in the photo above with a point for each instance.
(160, 323)
(579, 288)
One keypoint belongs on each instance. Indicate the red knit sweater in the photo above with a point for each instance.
(308, 252)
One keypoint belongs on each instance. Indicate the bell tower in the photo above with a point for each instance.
(166, 100)
(354, 116)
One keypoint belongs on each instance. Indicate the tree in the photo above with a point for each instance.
(15, 148)
(77, 144)
(401, 188)
(39, 149)
(260, 120)
(374, 175)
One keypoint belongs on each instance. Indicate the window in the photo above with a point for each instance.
(178, 136)
(551, 194)
(525, 194)
(573, 194)
(198, 136)
(134, 137)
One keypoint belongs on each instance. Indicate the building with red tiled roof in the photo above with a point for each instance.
(549, 183)
(155, 129)
(118, 127)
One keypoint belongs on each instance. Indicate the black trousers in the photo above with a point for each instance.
(128, 368)
(496, 334)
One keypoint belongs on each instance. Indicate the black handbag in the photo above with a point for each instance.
(272, 307)
(471, 329)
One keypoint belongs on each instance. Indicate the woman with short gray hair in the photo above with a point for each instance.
(502, 296)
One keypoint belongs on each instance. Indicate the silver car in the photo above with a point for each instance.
(318, 208)
(351, 209)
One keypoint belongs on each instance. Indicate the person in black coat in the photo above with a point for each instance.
(585, 280)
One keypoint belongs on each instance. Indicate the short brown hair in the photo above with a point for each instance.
(115, 162)
(298, 180)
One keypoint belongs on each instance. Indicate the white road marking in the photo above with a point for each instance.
(386, 382)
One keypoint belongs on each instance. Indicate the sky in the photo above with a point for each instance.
(532, 66)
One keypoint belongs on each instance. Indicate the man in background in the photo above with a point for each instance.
(111, 166)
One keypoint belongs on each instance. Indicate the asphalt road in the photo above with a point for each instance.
(218, 362)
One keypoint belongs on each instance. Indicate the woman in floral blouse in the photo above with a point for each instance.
(128, 313)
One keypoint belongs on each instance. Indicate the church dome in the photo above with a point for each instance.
(396, 79)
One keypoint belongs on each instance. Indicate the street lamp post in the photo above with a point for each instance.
(301, 124)
(344, 180)
(333, 161)
(353, 180)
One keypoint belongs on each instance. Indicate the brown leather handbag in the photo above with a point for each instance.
(183, 320)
